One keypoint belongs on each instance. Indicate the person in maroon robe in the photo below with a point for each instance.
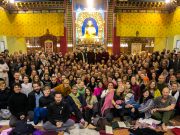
(98, 56)
(91, 57)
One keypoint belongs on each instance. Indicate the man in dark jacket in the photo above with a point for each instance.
(33, 99)
(17, 105)
(58, 115)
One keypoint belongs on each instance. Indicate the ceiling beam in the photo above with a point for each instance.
(26, 6)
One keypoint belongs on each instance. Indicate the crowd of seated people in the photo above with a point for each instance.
(80, 86)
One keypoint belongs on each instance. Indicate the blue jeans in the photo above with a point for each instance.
(40, 114)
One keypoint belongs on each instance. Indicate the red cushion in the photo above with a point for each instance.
(176, 131)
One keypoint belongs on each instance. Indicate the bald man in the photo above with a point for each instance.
(164, 107)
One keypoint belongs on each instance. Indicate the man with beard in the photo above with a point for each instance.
(33, 99)
(58, 115)
(163, 107)
(161, 83)
(4, 70)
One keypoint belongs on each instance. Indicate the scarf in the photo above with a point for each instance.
(75, 99)
(108, 102)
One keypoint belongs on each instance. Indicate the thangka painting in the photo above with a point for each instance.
(48, 44)
(136, 48)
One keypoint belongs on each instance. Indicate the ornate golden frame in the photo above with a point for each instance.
(84, 15)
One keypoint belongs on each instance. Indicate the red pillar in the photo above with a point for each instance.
(63, 43)
(116, 43)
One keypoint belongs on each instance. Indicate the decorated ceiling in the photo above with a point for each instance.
(32, 5)
(27, 5)
(35, 0)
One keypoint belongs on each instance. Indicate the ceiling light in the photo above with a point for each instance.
(11, 1)
(90, 4)
(167, 1)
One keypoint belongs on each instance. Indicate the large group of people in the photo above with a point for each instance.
(83, 85)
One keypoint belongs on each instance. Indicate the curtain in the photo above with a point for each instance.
(116, 43)
(63, 43)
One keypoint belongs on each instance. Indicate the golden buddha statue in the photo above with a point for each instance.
(90, 30)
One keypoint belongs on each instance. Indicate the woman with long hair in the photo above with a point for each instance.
(154, 91)
(37, 79)
(98, 90)
(92, 83)
(92, 105)
(146, 104)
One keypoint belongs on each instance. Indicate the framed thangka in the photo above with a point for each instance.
(48, 44)
(136, 48)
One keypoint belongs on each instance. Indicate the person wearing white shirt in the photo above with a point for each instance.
(26, 86)
(175, 91)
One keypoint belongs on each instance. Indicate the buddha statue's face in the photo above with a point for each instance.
(89, 23)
